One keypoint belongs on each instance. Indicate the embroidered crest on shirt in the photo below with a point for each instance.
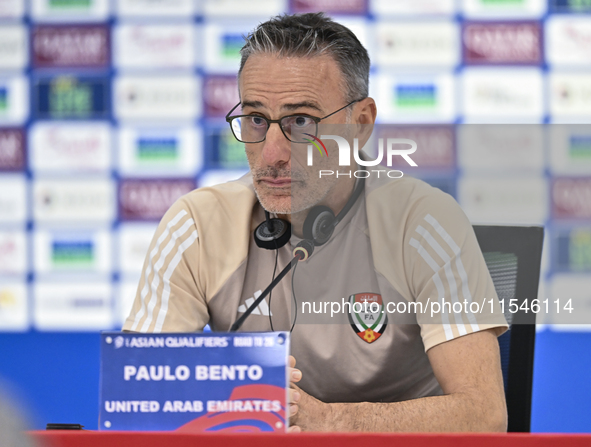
(367, 316)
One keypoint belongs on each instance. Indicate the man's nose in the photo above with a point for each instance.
(276, 148)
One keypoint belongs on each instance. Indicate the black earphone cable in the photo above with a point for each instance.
(295, 300)
(271, 293)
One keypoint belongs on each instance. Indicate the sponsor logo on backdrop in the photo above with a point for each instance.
(150, 199)
(74, 201)
(14, 100)
(225, 150)
(8, 300)
(570, 94)
(501, 147)
(157, 149)
(264, 8)
(387, 7)
(73, 305)
(580, 249)
(13, 252)
(63, 146)
(13, 198)
(504, 8)
(63, 97)
(329, 6)
(158, 8)
(3, 100)
(570, 5)
(66, 4)
(417, 43)
(493, 3)
(503, 92)
(436, 143)
(72, 250)
(580, 147)
(220, 94)
(12, 8)
(157, 97)
(416, 99)
(571, 149)
(71, 46)
(13, 46)
(154, 45)
(13, 306)
(502, 43)
(134, 241)
(231, 153)
(415, 96)
(68, 10)
(12, 149)
(222, 53)
(573, 250)
(231, 45)
(155, 152)
(571, 198)
(568, 40)
(517, 199)
(68, 253)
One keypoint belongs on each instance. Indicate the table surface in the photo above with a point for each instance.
(66, 438)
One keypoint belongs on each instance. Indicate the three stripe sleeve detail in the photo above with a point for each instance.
(446, 263)
(157, 269)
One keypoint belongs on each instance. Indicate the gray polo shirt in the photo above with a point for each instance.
(404, 246)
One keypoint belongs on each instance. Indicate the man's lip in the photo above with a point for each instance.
(276, 181)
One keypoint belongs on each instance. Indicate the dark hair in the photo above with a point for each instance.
(313, 34)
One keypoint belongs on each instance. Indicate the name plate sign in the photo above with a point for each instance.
(214, 382)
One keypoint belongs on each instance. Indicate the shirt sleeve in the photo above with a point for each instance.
(447, 273)
(169, 298)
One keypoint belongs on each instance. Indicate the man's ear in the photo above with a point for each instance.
(365, 117)
(365, 112)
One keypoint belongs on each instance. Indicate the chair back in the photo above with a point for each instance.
(513, 256)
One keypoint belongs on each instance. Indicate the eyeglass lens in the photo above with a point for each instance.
(253, 129)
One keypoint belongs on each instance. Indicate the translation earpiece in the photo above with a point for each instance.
(272, 233)
(319, 225)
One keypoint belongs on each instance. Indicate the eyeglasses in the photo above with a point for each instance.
(296, 128)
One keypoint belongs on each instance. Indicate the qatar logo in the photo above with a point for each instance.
(392, 149)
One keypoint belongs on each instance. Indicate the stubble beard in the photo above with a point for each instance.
(301, 196)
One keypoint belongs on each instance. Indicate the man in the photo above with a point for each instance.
(401, 242)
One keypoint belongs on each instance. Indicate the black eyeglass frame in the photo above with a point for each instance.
(229, 120)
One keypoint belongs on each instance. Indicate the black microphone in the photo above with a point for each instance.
(301, 252)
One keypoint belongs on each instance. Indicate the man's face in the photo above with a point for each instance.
(275, 87)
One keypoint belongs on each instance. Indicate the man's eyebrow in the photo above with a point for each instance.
(303, 104)
(253, 104)
(290, 106)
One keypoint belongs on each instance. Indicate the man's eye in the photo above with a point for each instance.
(257, 121)
(302, 121)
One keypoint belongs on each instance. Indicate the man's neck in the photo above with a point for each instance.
(336, 200)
